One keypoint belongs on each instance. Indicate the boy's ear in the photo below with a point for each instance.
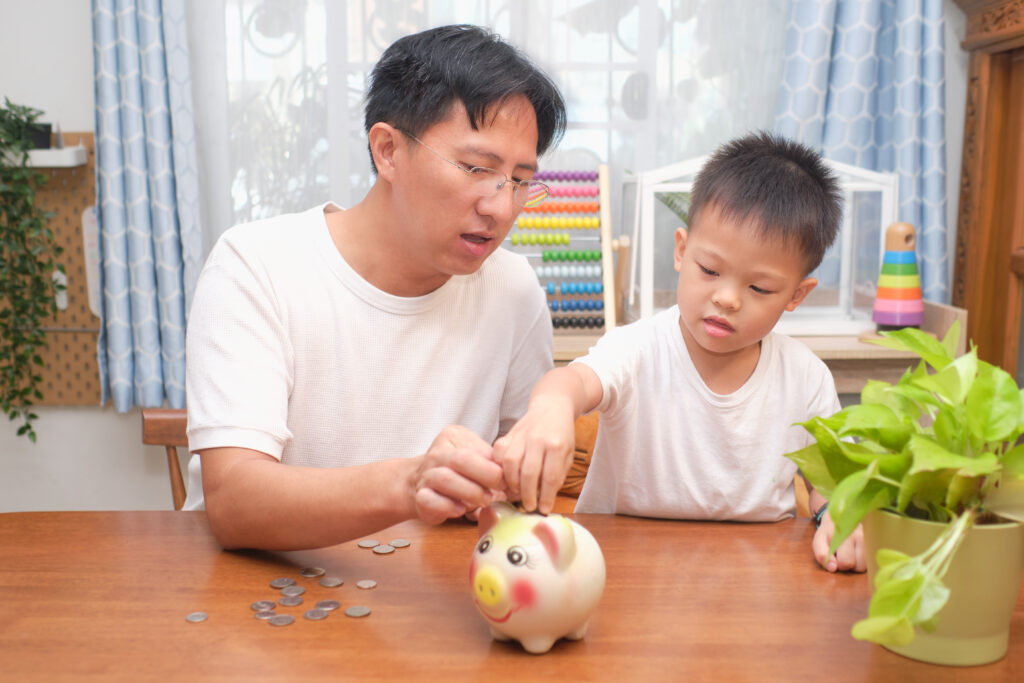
(382, 138)
(802, 290)
(681, 235)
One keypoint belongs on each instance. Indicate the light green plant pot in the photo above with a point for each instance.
(984, 579)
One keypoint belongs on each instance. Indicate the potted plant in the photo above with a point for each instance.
(932, 466)
(28, 253)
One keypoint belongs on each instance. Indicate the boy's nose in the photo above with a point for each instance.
(727, 298)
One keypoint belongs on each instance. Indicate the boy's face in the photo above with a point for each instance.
(448, 228)
(733, 285)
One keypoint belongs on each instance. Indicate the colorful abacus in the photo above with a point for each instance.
(566, 240)
(898, 300)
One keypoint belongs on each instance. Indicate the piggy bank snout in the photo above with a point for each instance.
(489, 586)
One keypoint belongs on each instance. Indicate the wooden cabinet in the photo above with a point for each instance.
(989, 260)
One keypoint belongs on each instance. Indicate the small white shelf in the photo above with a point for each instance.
(57, 158)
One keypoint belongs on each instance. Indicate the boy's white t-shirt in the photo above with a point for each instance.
(292, 353)
(667, 446)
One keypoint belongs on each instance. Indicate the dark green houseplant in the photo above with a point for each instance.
(940, 445)
(28, 260)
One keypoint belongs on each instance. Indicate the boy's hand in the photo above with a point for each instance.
(537, 452)
(851, 555)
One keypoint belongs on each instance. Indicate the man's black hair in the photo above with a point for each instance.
(420, 76)
(784, 187)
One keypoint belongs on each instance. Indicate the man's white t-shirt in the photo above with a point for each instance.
(667, 446)
(292, 353)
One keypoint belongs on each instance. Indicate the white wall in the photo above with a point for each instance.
(85, 458)
(92, 458)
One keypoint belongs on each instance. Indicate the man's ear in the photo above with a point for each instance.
(383, 138)
(681, 235)
(802, 290)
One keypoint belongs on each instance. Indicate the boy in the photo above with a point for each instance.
(699, 401)
(349, 369)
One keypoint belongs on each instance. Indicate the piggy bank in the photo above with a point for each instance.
(535, 578)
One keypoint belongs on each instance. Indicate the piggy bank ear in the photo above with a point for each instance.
(491, 515)
(556, 534)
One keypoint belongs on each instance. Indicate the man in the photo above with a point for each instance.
(349, 369)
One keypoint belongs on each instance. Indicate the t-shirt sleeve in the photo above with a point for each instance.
(611, 359)
(238, 358)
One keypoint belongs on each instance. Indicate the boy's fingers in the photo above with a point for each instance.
(551, 481)
(529, 476)
(820, 548)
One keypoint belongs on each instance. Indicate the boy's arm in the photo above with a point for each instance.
(537, 452)
(851, 555)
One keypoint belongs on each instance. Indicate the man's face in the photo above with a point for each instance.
(449, 228)
(733, 285)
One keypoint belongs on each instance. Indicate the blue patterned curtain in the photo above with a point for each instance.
(864, 82)
(147, 190)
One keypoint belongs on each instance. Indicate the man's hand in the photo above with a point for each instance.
(851, 555)
(537, 452)
(454, 476)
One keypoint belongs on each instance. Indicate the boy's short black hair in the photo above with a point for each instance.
(420, 76)
(782, 186)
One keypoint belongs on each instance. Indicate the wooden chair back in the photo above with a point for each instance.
(166, 427)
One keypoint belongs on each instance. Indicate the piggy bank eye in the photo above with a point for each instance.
(516, 556)
(484, 545)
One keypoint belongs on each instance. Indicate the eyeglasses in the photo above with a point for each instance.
(487, 182)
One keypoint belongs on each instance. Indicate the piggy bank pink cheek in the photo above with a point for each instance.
(523, 593)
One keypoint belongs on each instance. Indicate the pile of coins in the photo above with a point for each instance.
(291, 596)
(292, 593)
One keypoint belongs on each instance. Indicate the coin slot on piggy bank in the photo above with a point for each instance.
(535, 578)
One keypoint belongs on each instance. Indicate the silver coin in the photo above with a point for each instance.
(196, 617)
(315, 614)
(368, 543)
(331, 581)
(293, 590)
(400, 543)
(312, 572)
(262, 605)
(290, 601)
(282, 582)
(265, 614)
(281, 620)
(328, 605)
(383, 549)
(366, 584)
(357, 611)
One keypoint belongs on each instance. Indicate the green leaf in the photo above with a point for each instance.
(915, 341)
(852, 499)
(953, 381)
(812, 465)
(1013, 461)
(878, 423)
(993, 405)
(884, 630)
(831, 450)
(929, 457)
(891, 465)
(952, 339)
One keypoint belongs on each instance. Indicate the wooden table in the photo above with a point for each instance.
(104, 595)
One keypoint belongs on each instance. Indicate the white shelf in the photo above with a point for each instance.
(57, 158)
